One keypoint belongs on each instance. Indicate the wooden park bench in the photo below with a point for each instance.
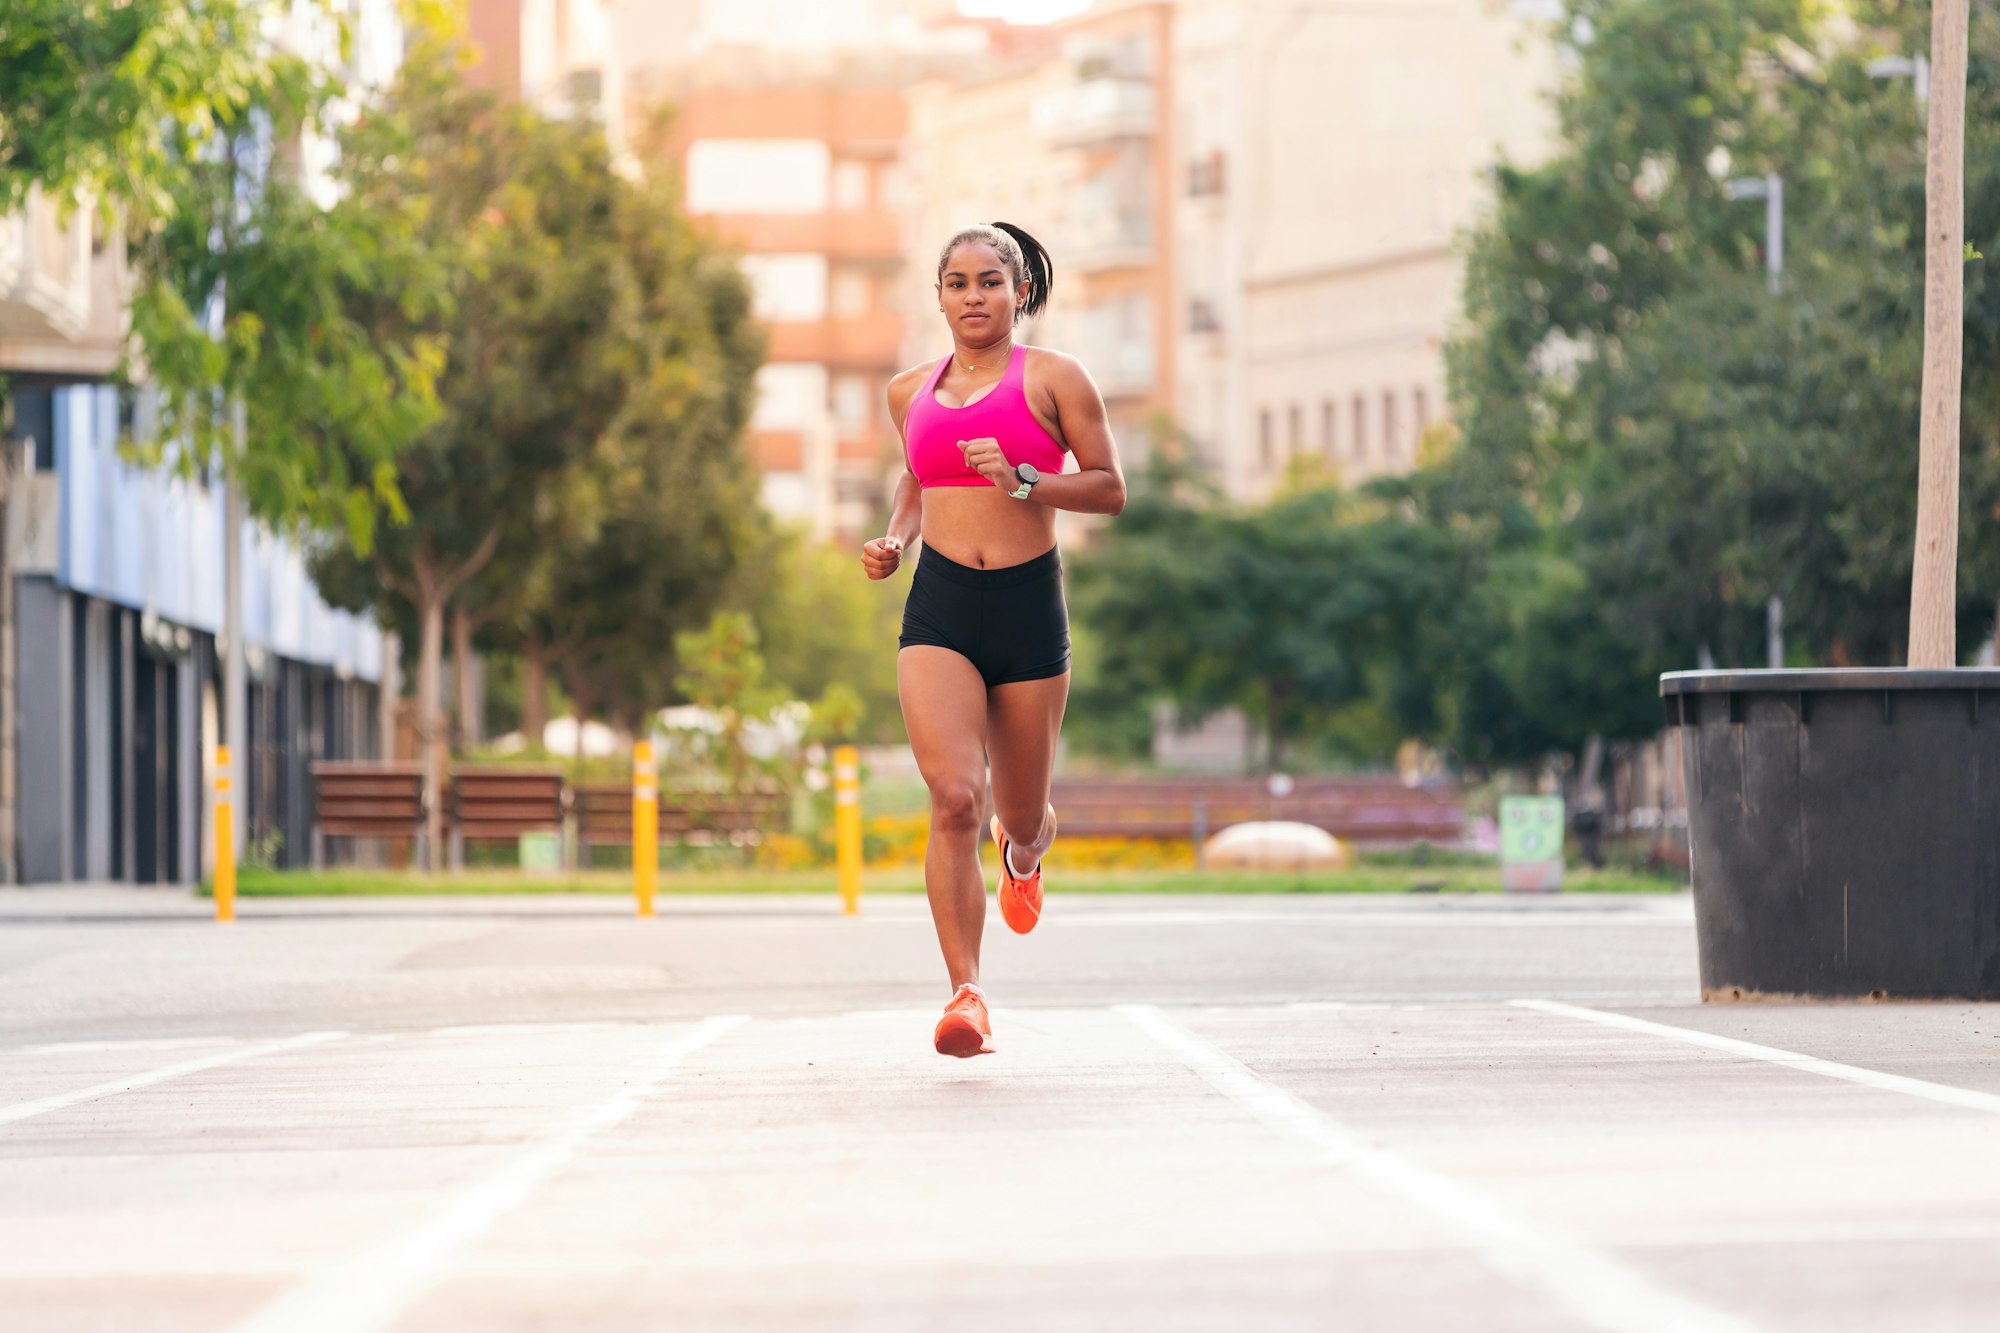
(1364, 810)
(500, 804)
(354, 799)
(604, 816)
(714, 817)
(603, 812)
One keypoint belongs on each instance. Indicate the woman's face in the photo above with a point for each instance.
(978, 294)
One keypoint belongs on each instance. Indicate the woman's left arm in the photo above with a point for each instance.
(1098, 484)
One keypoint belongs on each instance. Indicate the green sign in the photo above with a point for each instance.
(1531, 843)
(541, 853)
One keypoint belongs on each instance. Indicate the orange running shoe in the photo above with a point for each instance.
(965, 1029)
(1020, 898)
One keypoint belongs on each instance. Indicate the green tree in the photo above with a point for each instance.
(822, 624)
(1291, 611)
(176, 117)
(580, 496)
(1653, 444)
(99, 98)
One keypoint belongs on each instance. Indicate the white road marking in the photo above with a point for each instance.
(1965, 1098)
(1496, 918)
(1341, 1006)
(1597, 1288)
(129, 1044)
(23, 1110)
(527, 1029)
(372, 1289)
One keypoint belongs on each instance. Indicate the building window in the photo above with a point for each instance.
(1391, 440)
(854, 399)
(1357, 440)
(1326, 416)
(35, 423)
(1298, 431)
(791, 395)
(850, 186)
(1422, 403)
(1264, 432)
(853, 293)
(787, 288)
(1205, 175)
(758, 176)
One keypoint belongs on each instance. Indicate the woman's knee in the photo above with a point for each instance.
(956, 804)
(1022, 819)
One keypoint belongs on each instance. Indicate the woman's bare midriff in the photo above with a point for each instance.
(985, 528)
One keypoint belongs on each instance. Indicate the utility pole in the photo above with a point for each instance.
(235, 684)
(1934, 576)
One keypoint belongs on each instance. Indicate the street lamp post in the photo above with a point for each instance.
(1917, 69)
(1771, 189)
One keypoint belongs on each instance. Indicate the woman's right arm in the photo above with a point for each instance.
(906, 515)
(881, 556)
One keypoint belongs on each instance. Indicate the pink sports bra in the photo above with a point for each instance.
(932, 430)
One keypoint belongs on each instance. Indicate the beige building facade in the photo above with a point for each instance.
(1254, 208)
(1333, 157)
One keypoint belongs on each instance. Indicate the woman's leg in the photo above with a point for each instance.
(1023, 721)
(944, 710)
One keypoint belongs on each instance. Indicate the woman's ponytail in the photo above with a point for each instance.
(1036, 269)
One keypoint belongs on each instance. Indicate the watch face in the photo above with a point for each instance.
(1029, 472)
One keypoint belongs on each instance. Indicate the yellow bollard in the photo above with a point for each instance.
(645, 826)
(225, 840)
(847, 825)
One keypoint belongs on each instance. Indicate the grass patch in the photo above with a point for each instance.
(253, 882)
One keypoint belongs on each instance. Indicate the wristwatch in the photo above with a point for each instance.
(1029, 474)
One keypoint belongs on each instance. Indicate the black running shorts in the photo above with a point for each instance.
(1011, 624)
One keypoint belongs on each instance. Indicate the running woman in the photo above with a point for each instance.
(983, 669)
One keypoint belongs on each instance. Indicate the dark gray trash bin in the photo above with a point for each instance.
(1844, 827)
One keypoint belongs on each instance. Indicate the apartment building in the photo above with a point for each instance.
(788, 129)
(562, 57)
(111, 592)
(1331, 156)
(800, 178)
(1072, 139)
(1253, 207)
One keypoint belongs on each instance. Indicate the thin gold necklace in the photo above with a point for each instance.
(971, 369)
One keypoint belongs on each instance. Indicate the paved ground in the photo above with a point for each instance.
(1276, 1113)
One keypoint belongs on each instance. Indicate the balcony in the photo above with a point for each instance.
(1124, 248)
(854, 235)
(44, 272)
(1097, 111)
(1121, 369)
(871, 342)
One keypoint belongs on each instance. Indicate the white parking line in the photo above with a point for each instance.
(22, 1110)
(1811, 1064)
(1597, 1288)
(372, 1289)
